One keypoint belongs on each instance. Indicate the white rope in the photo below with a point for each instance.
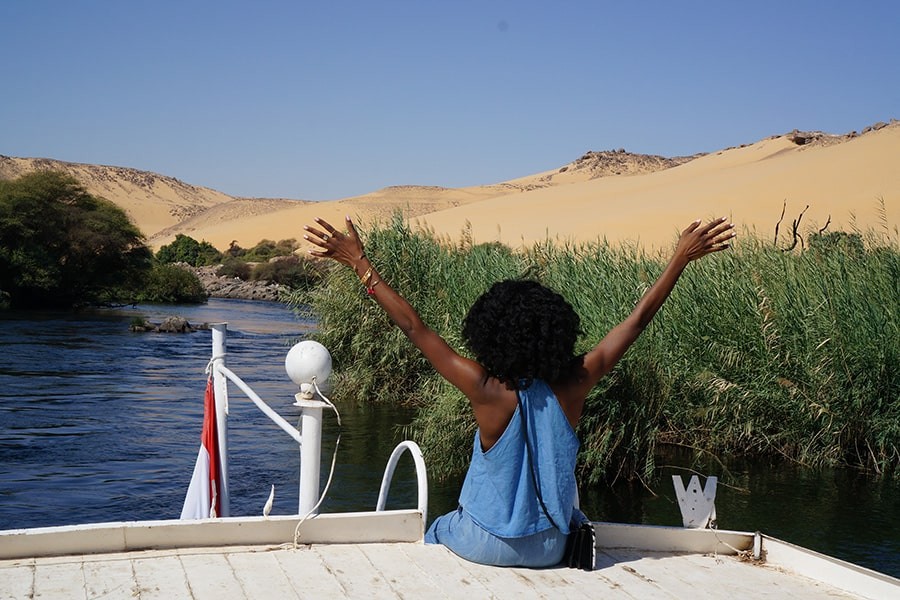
(337, 443)
(209, 365)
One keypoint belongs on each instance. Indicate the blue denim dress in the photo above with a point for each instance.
(500, 520)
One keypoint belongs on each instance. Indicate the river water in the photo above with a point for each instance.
(101, 424)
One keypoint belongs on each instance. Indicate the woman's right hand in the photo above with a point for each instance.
(346, 248)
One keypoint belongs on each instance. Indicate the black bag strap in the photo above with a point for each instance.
(537, 488)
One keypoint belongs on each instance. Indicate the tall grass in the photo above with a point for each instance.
(757, 352)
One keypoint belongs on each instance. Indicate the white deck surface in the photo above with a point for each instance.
(389, 570)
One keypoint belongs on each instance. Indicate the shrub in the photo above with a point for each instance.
(173, 284)
(262, 251)
(850, 244)
(234, 267)
(290, 271)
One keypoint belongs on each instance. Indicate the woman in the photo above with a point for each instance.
(527, 391)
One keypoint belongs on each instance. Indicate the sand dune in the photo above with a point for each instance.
(843, 182)
(412, 201)
(612, 194)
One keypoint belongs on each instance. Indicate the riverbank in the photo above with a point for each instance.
(219, 286)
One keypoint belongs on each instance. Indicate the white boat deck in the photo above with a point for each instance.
(381, 555)
(390, 570)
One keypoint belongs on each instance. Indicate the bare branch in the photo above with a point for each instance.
(795, 227)
(778, 224)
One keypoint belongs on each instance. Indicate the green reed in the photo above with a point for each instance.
(758, 352)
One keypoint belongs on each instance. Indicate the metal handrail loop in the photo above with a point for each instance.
(421, 476)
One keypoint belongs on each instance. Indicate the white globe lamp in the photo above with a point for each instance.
(308, 361)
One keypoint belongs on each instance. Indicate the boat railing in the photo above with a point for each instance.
(311, 402)
(421, 476)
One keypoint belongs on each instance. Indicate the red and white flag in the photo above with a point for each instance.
(202, 499)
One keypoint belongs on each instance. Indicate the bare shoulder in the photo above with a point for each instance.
(571, 393)
(493, 408)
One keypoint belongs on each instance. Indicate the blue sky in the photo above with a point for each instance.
(332, 99)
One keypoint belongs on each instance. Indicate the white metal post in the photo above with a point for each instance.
(220, 387)
(310, 451)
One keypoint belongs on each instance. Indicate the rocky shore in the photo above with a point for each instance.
(233, 287)
(217, 287)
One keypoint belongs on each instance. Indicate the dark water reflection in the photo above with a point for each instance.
(100, 424)
(839, 512)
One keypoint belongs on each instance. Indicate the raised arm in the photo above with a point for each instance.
(695, 242)
(347, 249)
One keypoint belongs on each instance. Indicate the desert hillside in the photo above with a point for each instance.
(853, 180)
(153, 201)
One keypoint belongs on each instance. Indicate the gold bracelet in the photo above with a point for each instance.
(371, 288)
(366, 276)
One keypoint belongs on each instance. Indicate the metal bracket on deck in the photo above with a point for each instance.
(698, 508)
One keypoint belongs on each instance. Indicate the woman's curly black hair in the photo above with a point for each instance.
(520, 330)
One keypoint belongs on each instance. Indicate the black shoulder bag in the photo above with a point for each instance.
(581, 548)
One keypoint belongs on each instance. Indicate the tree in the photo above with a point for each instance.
(187, 249)
(62, 247)
(234, 250)
(265, 250)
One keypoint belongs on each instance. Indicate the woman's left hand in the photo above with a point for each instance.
(696, 241)
(346, 248)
